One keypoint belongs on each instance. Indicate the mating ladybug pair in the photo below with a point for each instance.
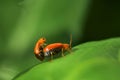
(41, 50)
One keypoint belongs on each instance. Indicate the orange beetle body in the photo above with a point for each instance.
(38, 50)
(55, 48)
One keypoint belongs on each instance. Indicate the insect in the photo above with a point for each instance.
(55, 48)
(38, 50)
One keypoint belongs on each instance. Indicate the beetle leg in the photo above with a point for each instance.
(69, 50)
(51, 55)
(44, 44)
(62, 52)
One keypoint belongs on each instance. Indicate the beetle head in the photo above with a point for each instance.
(42, 40)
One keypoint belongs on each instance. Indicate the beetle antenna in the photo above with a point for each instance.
(70, 41)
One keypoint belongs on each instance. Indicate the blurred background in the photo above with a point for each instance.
(23, 22)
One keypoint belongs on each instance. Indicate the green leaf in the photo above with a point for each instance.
(23, 22)
(98, 60)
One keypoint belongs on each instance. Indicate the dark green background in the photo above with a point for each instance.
(23, 22)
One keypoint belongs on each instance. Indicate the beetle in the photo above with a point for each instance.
(38, 49)
(55, 48)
